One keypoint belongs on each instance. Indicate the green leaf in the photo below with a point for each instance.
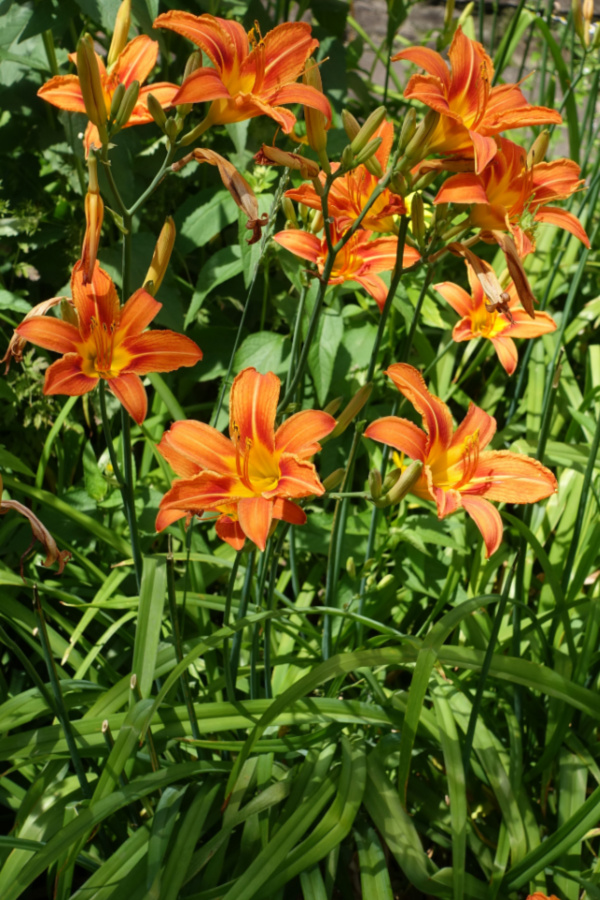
(9, 461)
(266, 351)
(323, 352)
(95, 483)
(223, 265)
(201, 217)
(147, 635)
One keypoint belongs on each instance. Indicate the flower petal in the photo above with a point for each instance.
(475, 420)
(457, 297)
(525, 327)
(223, 40)
(465, 187)
(506, 349)
(190, 446)
(426, 59)
(166, 517)
(129, 390)
(65, 377)
(287, 47)
(288, 511)
(488, 520)
(485, 150)
(205, 491)
(63, 91)
(136, 61)
(253, 405)
(400, 434)
(301, 433)
(307, 246)
(96, 298)
(511, 478)
(160, 351)
(202, 85)
(162, 91)
(304, 94)
(230, 531)
(50, 333)
(138, 312)
(437, 420)
(562, 218)
(255, 515)
(373, 285)
(298, 479)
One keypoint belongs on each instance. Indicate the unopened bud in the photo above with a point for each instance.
(333, 406)
(351, 126)
(367, 152)
(316, 123)
(448, 14)
(91, 84)
(347, 160)
(417, 219)
(128, 105)
(578, 23)
(289, 212)
(352, 409)
(409, 126)
(317, 222)
(68, 314)
(94, 216)
(172, 129)
(418, 146)
(156, 111)
(398, 184)
(538, 149)
(194, 61)
(375, 485)
(425, 180)
(368, 129)
(403, 485)
(308, 168)
(351, 567)
(160, 257)
(334, 479)
(120, 34)
(117, 99)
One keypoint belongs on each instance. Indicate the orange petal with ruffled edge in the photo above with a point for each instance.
(457, 297)
(230, 531)
(304, 94)
(160, 351)
(288, 511)
(255, 515)
(51, 334)
(301, 433)
(426, 59)
(525, 327)
(138, 312)
(400, 434)
(129, 390)
(136, 60)
(223, 40)
(476, 420)
(485, 149)
(287, 47)
(307, 246)
(488, 520)
(298, 478)
(97, 298)
(202, 85)
(465, 187)
(562, 218)
(253, 405)
(437, 420)
(511, 478)
(63, 91)
(65, 377)
(190, 446)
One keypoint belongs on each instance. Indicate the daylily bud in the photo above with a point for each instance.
(128, 104)
(308, 168)
(375, 485)
(316, 123)
(289, 212)
(194, 61)
(156, 111)
(334, 479)
(351, 126)
(588, 18)
(91, 85)
(333, 406)
(172, 128)
(351, 567)
(448, 14)
(538, 149)
(417, 219)
(67, 313)
(317, 222)
(409, 126)
(347, 160)
(117, 99)
(398, 184)
(578, 22)
(94, 215)
(368, 129)
(353, 408)
(424, 181)
(120, 34)
(417, 147)
(160, 257)
(403, 485)
(367, 152)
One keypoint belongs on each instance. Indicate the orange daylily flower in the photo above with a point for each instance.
(349, 194)
(108, 342)
(458, 472)
(471, 110)
(510, 196)
(498, 325)
(252, 477)
(134, 63)
(359, 259)
(250, 77)
(539, 896)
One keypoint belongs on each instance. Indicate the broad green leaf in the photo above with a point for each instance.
(323, 352)
(222, 266)
(149, 623)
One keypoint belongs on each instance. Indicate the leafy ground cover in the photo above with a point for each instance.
(316, 609)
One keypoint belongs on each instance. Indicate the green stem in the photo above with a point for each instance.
(108, 437)
(130, 495)
(312, 328)
(395, 281)
(154, 183)
(236, 643)
(185, 685)
(227, 668)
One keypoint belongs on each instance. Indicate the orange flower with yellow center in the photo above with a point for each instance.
(349, 194)
(511, 196)
(458, 472)
(134, 63)
(106, 341)
(250, 77)
(499, 326)
(360, 259)
(251, 478)
(471, 110)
